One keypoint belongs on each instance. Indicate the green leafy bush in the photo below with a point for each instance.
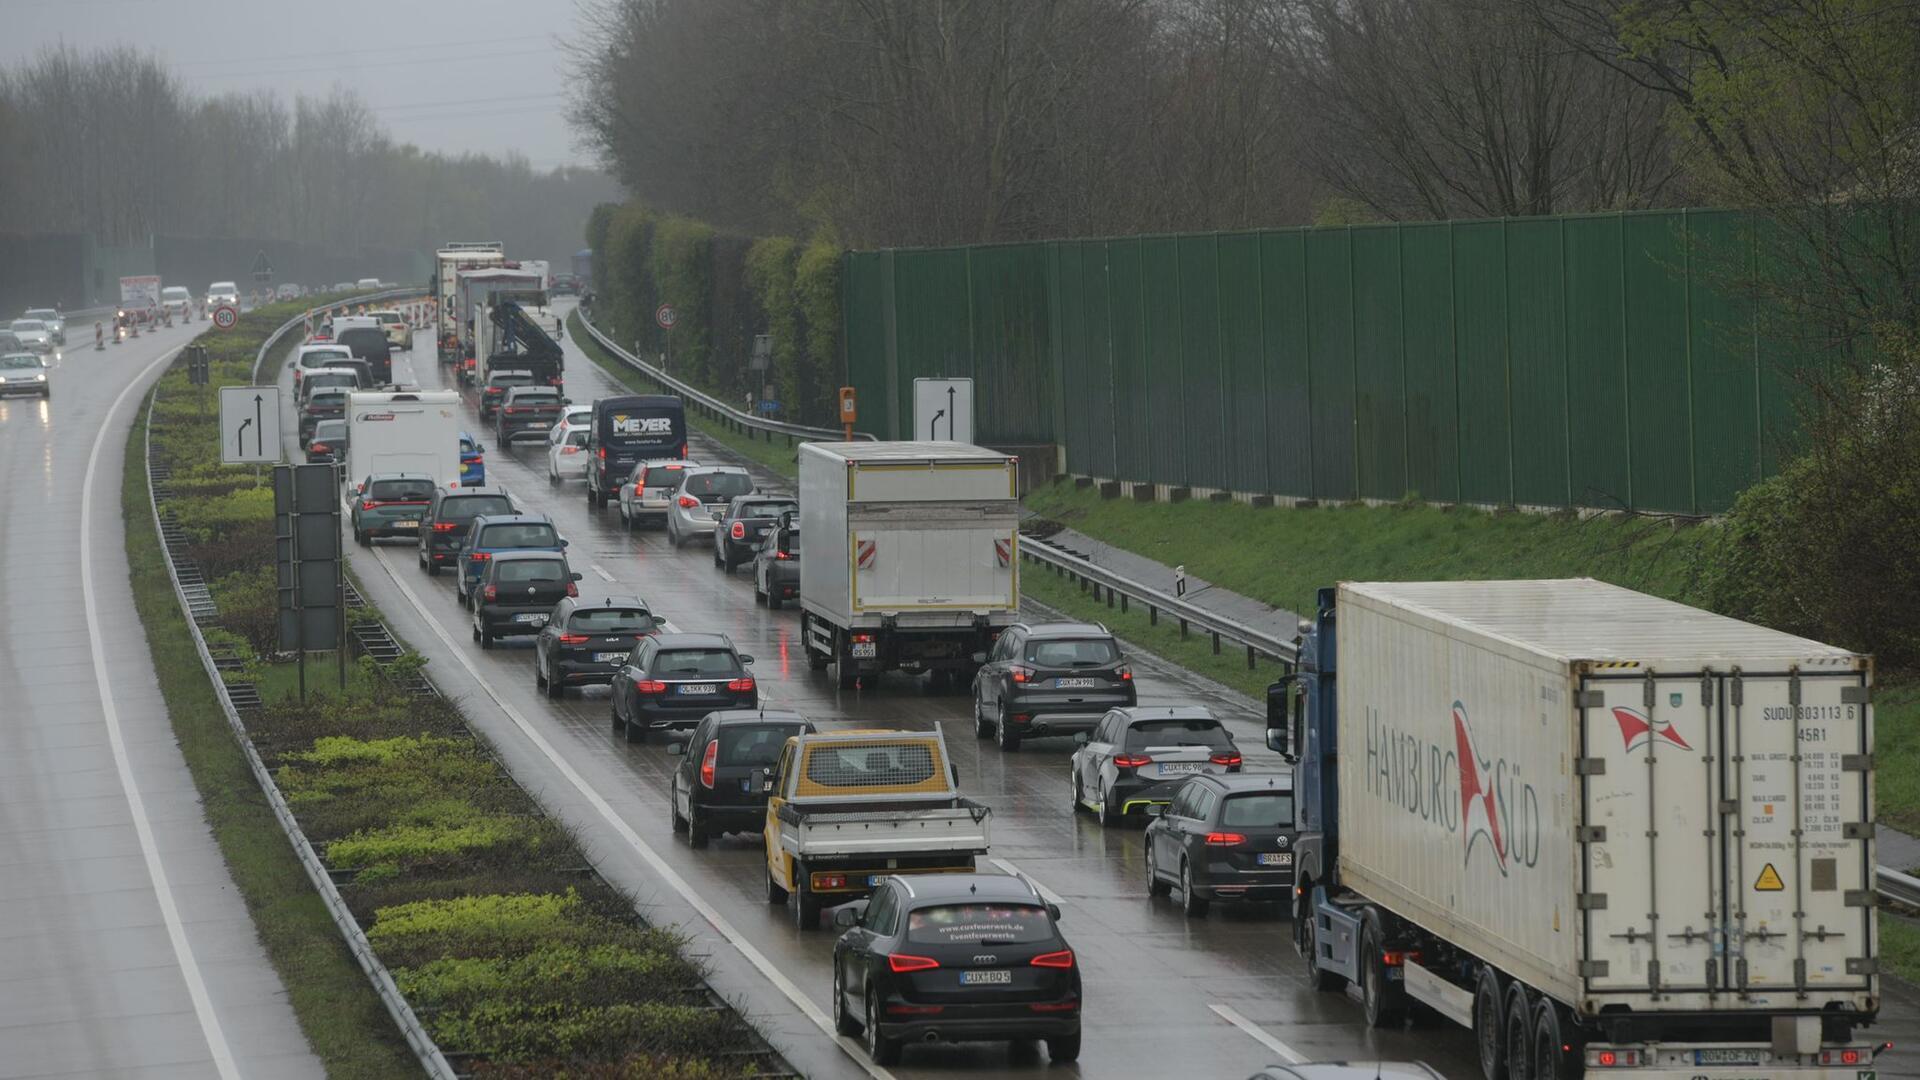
(520, 1030)
(596, 974)
(388, 850)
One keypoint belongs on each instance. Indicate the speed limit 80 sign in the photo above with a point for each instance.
(225, 316)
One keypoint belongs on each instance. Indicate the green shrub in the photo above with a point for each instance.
(596, 974)
(817, 289)
(472, 926)
(388, 850)
(682, 271)
(631, 1067)
(516, 1030)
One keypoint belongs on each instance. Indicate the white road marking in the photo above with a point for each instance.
(601, 570)
(660, 866)
(1046, 894)
(1232, 1016)
(169, 910)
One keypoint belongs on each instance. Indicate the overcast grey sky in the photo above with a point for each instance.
(481, 75)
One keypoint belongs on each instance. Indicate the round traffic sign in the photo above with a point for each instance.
(225, 316)
(665, 316)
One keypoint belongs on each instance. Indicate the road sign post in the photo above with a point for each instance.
(848, 414)
(664, 317)
(249, 425)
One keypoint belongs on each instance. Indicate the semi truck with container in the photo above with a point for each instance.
(1608, 833)
(447, 264)
(912, 556)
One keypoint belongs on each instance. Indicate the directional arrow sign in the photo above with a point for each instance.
(943, 409)
(250, 425)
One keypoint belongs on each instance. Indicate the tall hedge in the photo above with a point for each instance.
(682, 271)
(817, 286)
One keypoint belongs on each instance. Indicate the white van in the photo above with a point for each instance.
(416, 431)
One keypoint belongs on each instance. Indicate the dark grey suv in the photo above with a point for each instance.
(1048, 679)
(444, 525)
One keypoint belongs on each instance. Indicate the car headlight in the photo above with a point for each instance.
(39, 376)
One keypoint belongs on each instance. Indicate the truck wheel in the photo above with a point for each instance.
(1317, 977)
(845, 675)
(1385, 1001)
(1549, 1060)
(776, 892)
(1009, 739)
(1489, 1009)
(1518, 1025)
(817, 661)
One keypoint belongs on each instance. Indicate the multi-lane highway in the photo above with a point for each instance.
(125, 950)
(1166, 996)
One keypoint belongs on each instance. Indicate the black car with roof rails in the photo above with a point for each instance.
(321, 405)
(496, 387)
(517, 592)
(718, 786)
(525, 410)
(672, 680)
(490, 534)
(955, 958)
(443, 527)
(1223, 837)
(328, 443)
(738, 530)
(1049, 679)
(587, 639)
(626, 430)
(370, 344)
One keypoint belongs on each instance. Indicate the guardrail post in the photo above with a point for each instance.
(1123, 603)
(1249, 658)
(1153, 615)
(1110, 596)
(1216, 643)
(1083, 582)
(1183, 629)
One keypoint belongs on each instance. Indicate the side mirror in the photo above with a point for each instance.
(1054, 910)
(745, 659)
(563, 541)
(848, 916)
(676, 748)
(1154, 809)
(979, 658)
(766, 782)
(953, 773)
(1281, 736)
(575, 576)
(1082, 737)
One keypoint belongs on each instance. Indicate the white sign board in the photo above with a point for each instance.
(943, 410)
(249, 425)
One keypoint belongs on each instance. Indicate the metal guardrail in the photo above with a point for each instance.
(737, 419)
(425, 1050)
(1897, 887)
(1104, 582)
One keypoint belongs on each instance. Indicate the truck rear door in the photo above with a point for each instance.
(941, 564)
(1704, 836)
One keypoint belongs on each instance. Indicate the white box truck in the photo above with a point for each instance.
(1608, 832)
(911, 555)
(458, 255)
(416, 431)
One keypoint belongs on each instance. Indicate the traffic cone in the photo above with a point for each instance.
(99, 339)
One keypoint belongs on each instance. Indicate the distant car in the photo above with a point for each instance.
(738, 530)
(672, 680)
(443, 526)
(176, 301)
(490, 534)
(32, 334)
(954, 958)
(342, 286)
(587, 640)
(329, 441)
(367, 283)
(564, 285)
(648, 489)
(390, 504)
(399, 333)
(567, 446)
(716, 788)
(223, 292)
(496, 389)
(24, 373)
(703, 491)
(1228, 837)
(9, 343)
(473, 461)
(1137, 756)
(776, 563)
(309, 357)
(1045, 679)
(1349, 1070)
(517, 592)
(55, 322)
(287, 291)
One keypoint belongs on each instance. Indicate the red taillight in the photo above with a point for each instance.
(740, 685)
(1054, 1006)
(1607, 1058)
(480, 556)
(649, 686)
(573, 589)
(689, 502)
(1397, 957)
(1125, 673)
(901, 963)
(319, 447)
(1131, 761)
(575, 639)
(1225, 757)
(603, 453)
(1061, 959)
(863, 637)
(512, 409)
(1849, 1057)
(707, 763)
(492, 592)
(739, 531)
(915, 1010)
(781, 555)
(445, 526)
(370, 504)
(569, 449)
(1021, 673)
(1225, 839)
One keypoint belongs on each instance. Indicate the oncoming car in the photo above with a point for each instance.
(23, 373)
(1135, 757)
(32, 334)
(56, 323)
(176, 301)
(954, 958)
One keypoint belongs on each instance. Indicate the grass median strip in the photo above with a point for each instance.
(776, 455)
(517, 956)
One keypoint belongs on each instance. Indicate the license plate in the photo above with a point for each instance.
(873, 880)
(608, 657)
(866, 650)
(697, 688)
(998, 977)
(407, 523)
(1726, 1057)
(1276, 858)
(1176, 768)
(1073, 684)
(537, 620)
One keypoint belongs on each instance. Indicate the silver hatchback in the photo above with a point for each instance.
(703, 495)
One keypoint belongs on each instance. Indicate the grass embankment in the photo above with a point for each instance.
(509, 948)
(777, 455)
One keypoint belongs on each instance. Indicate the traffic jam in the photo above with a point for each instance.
(1411, 870)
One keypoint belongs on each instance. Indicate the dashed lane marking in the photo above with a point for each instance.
(1232, 1016)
